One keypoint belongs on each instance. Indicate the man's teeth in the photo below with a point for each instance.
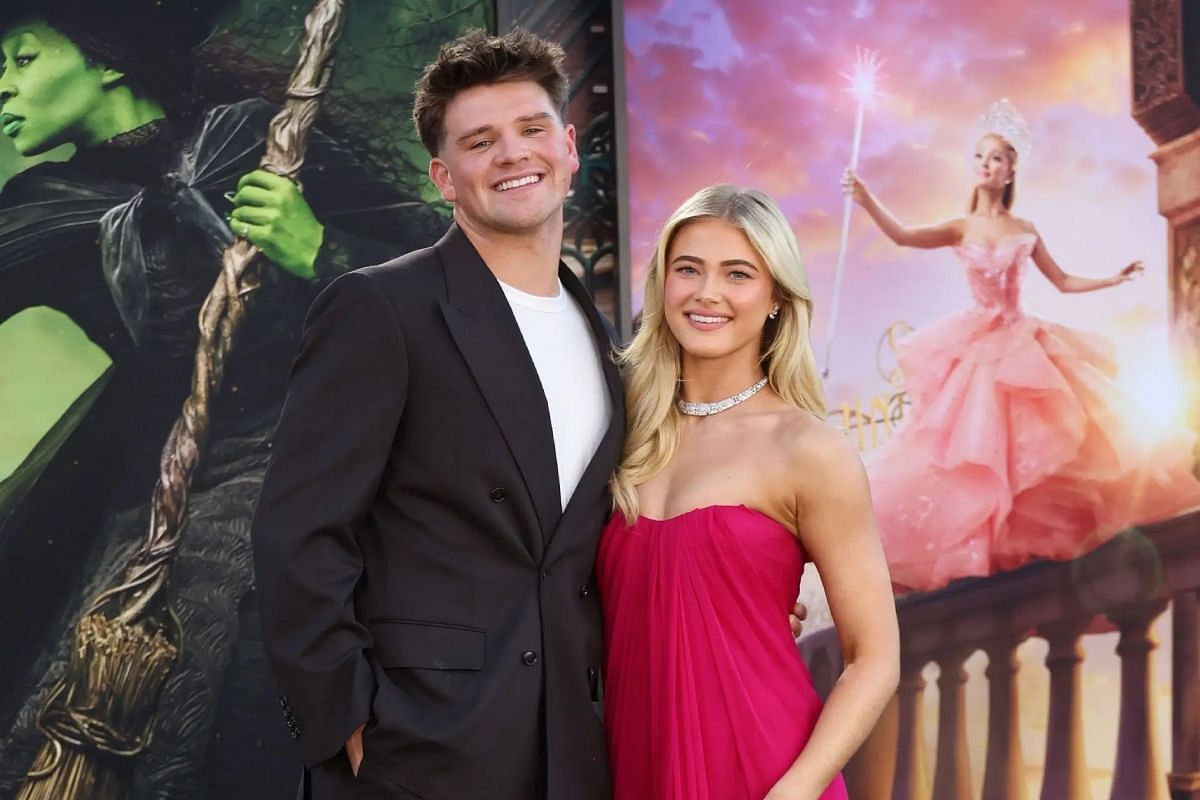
(513, 184)
(712, 320)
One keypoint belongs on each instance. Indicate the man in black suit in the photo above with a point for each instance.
(425, 538)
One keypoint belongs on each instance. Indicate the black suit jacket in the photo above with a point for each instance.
(415, 568)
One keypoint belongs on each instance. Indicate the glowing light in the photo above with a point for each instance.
(866, 71)
(1156, 390)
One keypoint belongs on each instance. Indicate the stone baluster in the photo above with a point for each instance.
(1004, 772)
(1137, 772)
(1065, 777)
(1184, 778)
(952, 778)
(911, 780)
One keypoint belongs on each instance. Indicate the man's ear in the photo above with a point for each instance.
(572, 147)
(439, 173)
(110, 77)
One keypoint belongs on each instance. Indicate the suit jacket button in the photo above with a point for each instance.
(529, 657)
(585, 592)
(497, 495)
(591, 673)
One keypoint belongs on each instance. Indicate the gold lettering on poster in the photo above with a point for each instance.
(883, 412)
(872, 427)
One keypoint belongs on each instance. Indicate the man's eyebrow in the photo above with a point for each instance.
(541, 115)
(471, 134)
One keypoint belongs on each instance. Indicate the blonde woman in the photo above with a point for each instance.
(730, 481)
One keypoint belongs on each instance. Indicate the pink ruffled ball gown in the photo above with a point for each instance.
(705, 694)
(1017, 445)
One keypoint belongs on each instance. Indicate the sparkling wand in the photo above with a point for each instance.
(862, 86)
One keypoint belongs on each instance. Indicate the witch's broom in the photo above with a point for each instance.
(103, 711)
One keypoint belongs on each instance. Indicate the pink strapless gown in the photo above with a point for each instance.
(705, 694)
(1017, 445)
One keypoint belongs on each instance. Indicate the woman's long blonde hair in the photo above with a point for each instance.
(651, 361)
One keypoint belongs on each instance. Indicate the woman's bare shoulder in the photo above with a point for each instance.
(806, 439)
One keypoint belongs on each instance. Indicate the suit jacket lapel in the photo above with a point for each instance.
(608, 454)
(486, 333)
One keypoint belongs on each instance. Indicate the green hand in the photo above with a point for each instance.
(271, 213)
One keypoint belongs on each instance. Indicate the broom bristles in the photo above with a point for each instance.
(102, 712)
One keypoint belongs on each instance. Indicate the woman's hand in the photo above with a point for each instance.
(1130, 272)
(270, 212)
(854, 188)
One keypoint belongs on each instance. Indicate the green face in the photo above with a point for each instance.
(49, 93)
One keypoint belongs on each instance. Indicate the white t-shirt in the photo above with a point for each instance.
(560, 341)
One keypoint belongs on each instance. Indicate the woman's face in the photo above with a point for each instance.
(718, 292)
(49, 93)
(993, 163)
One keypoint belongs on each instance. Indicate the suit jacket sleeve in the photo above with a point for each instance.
(345, 398)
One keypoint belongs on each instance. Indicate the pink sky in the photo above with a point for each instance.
(750, 91)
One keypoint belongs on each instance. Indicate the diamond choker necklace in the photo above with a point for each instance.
(705, 409)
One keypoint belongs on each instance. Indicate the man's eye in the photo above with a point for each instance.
(24, 61)
(534, 130)
(482, 143)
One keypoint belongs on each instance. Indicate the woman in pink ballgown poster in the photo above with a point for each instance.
(1017, 445)
(730, 481)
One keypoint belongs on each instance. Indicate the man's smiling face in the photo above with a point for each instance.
(506, 159)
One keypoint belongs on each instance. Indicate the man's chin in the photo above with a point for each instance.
(529, 223)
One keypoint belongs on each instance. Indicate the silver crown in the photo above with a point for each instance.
(1003, 119)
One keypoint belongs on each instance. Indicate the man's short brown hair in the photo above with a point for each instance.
(476, 59)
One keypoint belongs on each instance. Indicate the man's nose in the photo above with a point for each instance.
(511, 148)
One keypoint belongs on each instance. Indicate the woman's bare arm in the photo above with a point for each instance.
(943, 234)
(836, 525)
(1065, 282)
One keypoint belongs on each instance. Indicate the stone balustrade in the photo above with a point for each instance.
(1124, 585)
